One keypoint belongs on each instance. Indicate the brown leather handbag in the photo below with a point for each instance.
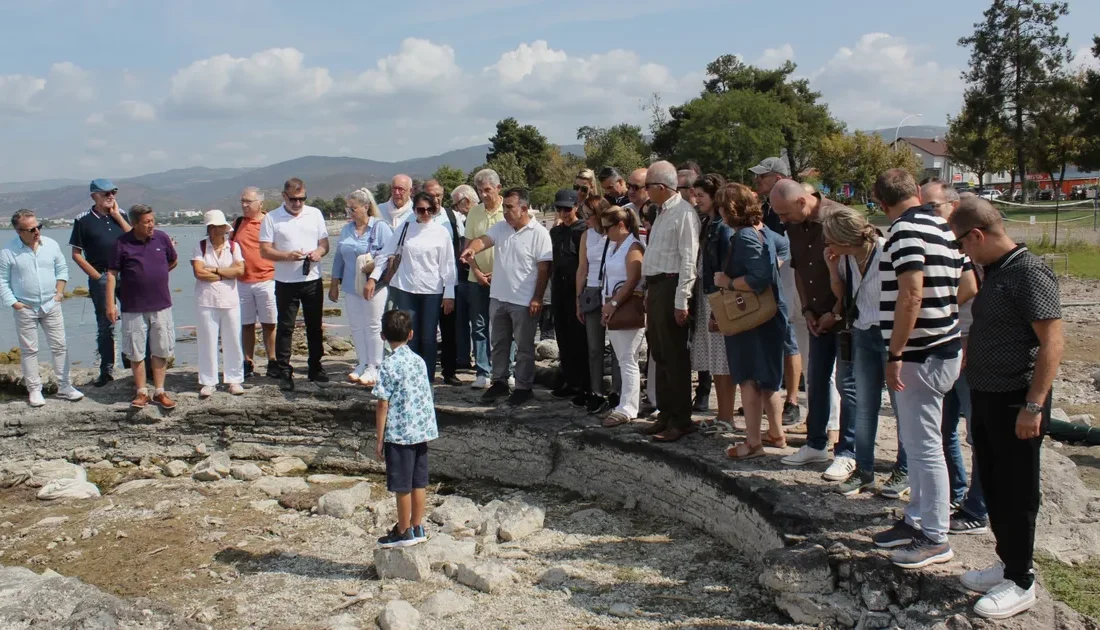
(395, 261)
(630, 314)
(737, 311)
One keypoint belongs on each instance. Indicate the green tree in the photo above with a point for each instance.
(976, 140)
(1016, 52)
(507, 167)
(621, 146)
(561, 170)
(382, 192)
(858, 159)
(1056, 133)
(730, 132)
(807, 120)
(450, 178)
(526, 143)
(1089, 114)
(338, 208)
(322, 204)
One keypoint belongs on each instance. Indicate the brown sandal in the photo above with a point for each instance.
(775, 442)
(615, 419)
(743, 450)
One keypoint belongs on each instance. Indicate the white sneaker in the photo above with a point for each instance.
(511, 382)
(981, 581)
(36, 399)
(236, 389)
(369, 377)
(481, 382)
(1005, 600)
(841, 468)
(207, 391)
(70, 393)
(806, 455)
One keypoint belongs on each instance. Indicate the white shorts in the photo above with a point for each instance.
(156, 327)
(257, 302)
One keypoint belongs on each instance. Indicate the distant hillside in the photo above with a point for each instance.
(914, 131)
(72, 200)
(180, 178)
(41, 184)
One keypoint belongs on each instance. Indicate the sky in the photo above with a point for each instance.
(116, 88)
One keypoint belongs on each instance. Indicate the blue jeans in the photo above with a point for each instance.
(462, 324)
(955, 402)
(823, 355)
(869, 367)
(479, 326)
(105, 330)
(424, 309)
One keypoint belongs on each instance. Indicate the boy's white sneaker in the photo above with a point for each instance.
(1005, 600)
(70, 393)
(806, 455)
(36, 399)
(982, 580)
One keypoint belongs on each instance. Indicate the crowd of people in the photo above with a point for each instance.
(668, 255)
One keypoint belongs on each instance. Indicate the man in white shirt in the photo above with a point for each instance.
(295, 236)
(454, 327)
(399, 207)
(669, 271)
(523, 256)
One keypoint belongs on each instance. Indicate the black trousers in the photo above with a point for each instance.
(448, 342)
(288, 295)
(1009, 471)
(569, 331)
(668, 344)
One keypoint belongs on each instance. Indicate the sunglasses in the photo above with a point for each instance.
(583, 189)
(608, 226)
(635, 187)
(423, 209)
(108, 193)
(296, 199)
(37, 228)
(958, 241)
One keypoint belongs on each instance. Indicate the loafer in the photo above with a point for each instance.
(452, 381)
(164, 400)
(103, 380)
(140, 401)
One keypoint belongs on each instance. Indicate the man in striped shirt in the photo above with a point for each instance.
(924, 279)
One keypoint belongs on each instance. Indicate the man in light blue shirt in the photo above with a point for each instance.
(33, 274)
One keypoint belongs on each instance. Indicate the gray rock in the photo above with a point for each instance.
(874, 596)
(277, 486)
(801, 569)
(103, 464)
(556, 577)
(441, 549)
(130, 486)
(283, 466)
(41, 473)
(264, 505)
(444, 604)
(1085, 419)
(518, 519)
(455, 509)
(87, 454)
(831, 610)
(403, 563)
(212, 468)
(246, 471)
(547, 349)
(175, 468)
(345, 621)
(325, 478)
(870, 620)
(487, 577)
(1059, 414)
(620, 609)
(50, 521)
(342, 503)
(399, 615)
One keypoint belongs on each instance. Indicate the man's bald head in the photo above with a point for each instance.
(976, 213)
(635, 187)
(400, 189)
(791, 201)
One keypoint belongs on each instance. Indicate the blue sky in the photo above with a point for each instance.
(122, 87)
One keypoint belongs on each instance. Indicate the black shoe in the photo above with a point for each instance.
(646, 410)
(595, 403)
(740, 411)
(319, 377)
(125, 362)
(103, 380)
(963, 523)
(565, 391)
(273, 370)
(701, 404)
(396, 539)
(581, 399)
(613, 399)
(249, 369)
(521, 396)
(792, 414)
(495, 392)
(452, 380)
(286, 382)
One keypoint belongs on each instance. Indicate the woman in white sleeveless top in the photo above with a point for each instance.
(588, 282)
(217, 263)
(622, 277)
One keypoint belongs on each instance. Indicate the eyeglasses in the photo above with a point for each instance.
(36, 228)
(245, 202)
(634, 187)
(648, 185)
(295, 199)
(399, 189)
(583, 189)
(958, 241)
(682, 188)
(423, 209)
(108, 193)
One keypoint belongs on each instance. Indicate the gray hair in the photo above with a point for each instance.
(19, 216)
(465, 191)
(486, 175)
(689, 175)
(137, 211)
(663, 173)
(949, 192)
(520, 194)
(365, 197)
(255, 191)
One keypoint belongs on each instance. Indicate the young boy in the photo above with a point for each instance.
(405, 419)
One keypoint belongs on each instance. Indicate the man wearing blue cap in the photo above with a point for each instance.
(93, 242)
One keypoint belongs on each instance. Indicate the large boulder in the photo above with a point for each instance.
(487, 577)
(278, 486)
(175, 468)
(44, 472)
(403, 563)
(246, 471)
(399, 615)
(547, 349)
(455, 510)
(442, 548)
(343, 503)
(212, 468)
(285, 466)
(68, 489)
(444, 604)
(511, 520)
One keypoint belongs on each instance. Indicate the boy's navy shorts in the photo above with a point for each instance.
(406, 466)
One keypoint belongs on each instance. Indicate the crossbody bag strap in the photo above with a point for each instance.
(603, 259)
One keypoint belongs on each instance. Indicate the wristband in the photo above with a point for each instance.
(893, 358)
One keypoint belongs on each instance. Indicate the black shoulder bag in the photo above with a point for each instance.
(591, 299)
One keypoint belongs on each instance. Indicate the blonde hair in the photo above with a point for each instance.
(848, 228)
(589, 175)
(365, 197)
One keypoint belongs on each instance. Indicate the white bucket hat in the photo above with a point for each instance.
(214, 217)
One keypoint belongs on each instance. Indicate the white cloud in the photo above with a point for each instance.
(18, 93)
(71, 82)
(157, 155)
(138, 111)
(65, 84)
(96, 120)
(274, 80)
(420, 65)
(883, 79)
(1083, 59)
(775, 57)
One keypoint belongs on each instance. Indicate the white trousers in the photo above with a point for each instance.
(365, 320)
(794, 308)
(213, 323)
(625, 343)
(27, 321)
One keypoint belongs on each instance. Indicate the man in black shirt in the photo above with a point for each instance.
(93, 242)
(570, 332)
(614, 186)
(1012, 356)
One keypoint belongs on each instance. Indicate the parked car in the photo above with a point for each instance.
(991, 195)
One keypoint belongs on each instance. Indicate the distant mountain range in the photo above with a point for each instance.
(200, 187)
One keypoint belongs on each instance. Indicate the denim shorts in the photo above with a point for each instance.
(406, 466)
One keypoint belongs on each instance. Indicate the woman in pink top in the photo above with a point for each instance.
(217, 263)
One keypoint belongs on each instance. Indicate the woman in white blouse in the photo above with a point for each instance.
(589, 303)
(366, 233)
(622, 277)
(425, 277)
(217, 263)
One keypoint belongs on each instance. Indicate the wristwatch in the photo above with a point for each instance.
(893, 358)
(1034, 408)
(614, 303)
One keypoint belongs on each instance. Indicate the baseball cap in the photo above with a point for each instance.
(565, 198)
(102, 185)
(772, 165)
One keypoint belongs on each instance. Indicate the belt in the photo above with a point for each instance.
(661, 277)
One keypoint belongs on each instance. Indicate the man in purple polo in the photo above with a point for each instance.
(141, 262)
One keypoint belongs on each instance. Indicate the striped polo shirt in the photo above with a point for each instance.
(921, 241)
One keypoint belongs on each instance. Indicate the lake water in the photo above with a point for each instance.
(80, 326)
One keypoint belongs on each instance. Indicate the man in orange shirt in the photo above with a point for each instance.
(257, 285)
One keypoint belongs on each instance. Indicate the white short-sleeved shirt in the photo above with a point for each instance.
(223, 293)
(288, 233)
(518, 254)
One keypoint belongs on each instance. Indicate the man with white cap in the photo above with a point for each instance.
(217, 263)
